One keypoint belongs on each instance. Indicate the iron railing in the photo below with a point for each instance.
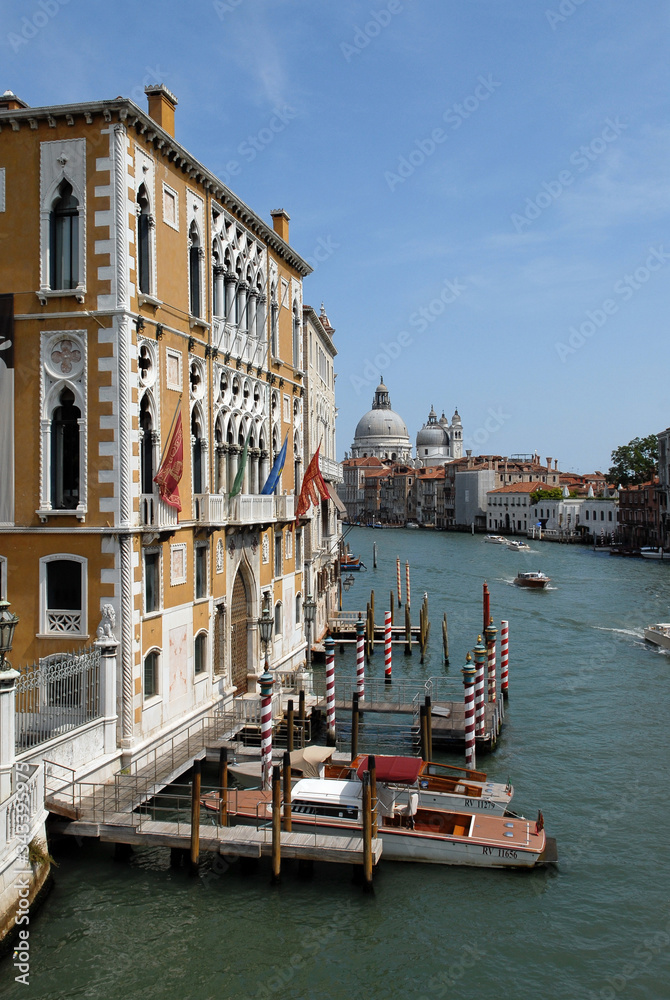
(59, 694)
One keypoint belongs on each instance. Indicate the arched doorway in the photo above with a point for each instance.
(239, 639)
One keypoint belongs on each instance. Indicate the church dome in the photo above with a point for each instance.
(381, 431)
(432, 434)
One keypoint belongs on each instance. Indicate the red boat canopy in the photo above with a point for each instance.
(399, 770)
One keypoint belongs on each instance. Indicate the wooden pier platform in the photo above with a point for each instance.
(242, 841)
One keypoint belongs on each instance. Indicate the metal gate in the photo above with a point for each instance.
(238, 634)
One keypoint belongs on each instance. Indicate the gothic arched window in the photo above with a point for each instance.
(194, 269)
(143, 241)
(64, 239)
(65, 453)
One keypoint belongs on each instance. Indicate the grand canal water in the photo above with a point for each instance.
(586, 739)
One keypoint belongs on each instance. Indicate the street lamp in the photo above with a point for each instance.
(265, 627)
(8, 623)
(309, 610)
(347, 582)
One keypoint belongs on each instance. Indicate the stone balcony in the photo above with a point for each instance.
(330, 470)
(155, 513)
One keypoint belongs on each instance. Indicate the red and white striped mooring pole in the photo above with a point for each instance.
(491, 632)
(266, 681)
(329, 644)
(388, 668)
(469, 672)
(407, 600)
(480, 699)
(486, 602)
(397, 573)
(360, 657)
(504, 658)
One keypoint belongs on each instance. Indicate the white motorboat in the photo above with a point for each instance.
(659, 635)
(518, 546)
(653, 552)
(408, 832)
(495, 539)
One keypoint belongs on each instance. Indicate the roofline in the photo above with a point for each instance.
(124, 107)
(313, 315)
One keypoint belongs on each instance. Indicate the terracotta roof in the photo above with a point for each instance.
(363, 462)
(519, 488)
(436, 472)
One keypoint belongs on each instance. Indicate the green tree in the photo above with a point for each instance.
(553, 493)
(635, 462)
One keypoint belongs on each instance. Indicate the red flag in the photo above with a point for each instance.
(172, 467)
(313, 486)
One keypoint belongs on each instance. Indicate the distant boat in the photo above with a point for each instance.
(352, 562)
(659, 635)
(534, 580)
(495, 539)
(411, 524)
(654, 552)
(518, 546)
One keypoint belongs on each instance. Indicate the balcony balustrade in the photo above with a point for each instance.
(155, 513)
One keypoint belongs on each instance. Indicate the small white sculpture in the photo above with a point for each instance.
(107, 623)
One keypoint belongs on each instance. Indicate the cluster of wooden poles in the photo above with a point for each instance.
(281, 811)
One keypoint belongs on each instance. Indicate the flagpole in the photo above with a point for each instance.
(167, 440)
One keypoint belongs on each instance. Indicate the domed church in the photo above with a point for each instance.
(438, 441)
(381, 433)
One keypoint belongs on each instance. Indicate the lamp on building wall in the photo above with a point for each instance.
(8, 623)
(265, 626)
(347, 582)
(309, 611)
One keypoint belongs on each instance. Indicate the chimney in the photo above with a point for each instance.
(556, 464)
(548, 465)
(10, 102)
(161, 106)
(280, 221)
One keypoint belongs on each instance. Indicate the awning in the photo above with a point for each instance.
(308, 759)
(336, 500)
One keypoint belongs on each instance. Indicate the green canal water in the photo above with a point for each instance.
(586, 739)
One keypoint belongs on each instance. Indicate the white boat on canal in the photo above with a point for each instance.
(495, 539)
(659, 635)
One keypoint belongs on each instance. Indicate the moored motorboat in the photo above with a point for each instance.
(659, 634)
(535, 580)
(408, 832)
(495, 539)
(653, 552)
(439, 786)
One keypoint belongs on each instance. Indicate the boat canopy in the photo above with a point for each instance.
(398, 770)
(308, 759)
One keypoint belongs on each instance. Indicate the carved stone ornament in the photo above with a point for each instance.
(105, 629)
(65, 356)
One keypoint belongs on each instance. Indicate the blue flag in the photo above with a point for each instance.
(275, 472)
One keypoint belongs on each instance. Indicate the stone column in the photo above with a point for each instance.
(7, 730)
(242, 289)
(108, 647)
(231, 281)
(219, 290)
(252, 308)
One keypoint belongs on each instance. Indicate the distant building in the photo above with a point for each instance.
(509, 507)
(438, 441)
(639, 515)
(663, 492)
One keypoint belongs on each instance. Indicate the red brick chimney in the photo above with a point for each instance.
(280, 221)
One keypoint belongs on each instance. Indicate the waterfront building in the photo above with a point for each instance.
(429, 511)
(149, 313)
(323, 533)
(352, 489)
(664, 487)
(639, 515)
(509, 507)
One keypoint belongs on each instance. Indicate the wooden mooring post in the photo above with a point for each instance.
(286, 776)
(408, 630)
(223, 787)
(289, 726)
(445, 639)
(429, 728)
(424, 627)
(276, 824)
(354, 724)
(423, 733)
(374, 555)
(367, 832)
(391, 607)
(372, 767)
(195, 817)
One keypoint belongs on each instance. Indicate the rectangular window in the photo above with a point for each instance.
(298, 549)
(278, 554)
(170, 207)
(173, 369)
(152, 592)
(64, 591)
(150, 675)
(201, 588)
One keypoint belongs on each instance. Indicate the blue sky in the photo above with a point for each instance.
(483, 186)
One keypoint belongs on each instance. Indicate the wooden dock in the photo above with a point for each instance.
(240, 841)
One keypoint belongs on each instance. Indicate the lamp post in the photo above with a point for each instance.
(8, 623)
(265, 625)
(309, 609)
